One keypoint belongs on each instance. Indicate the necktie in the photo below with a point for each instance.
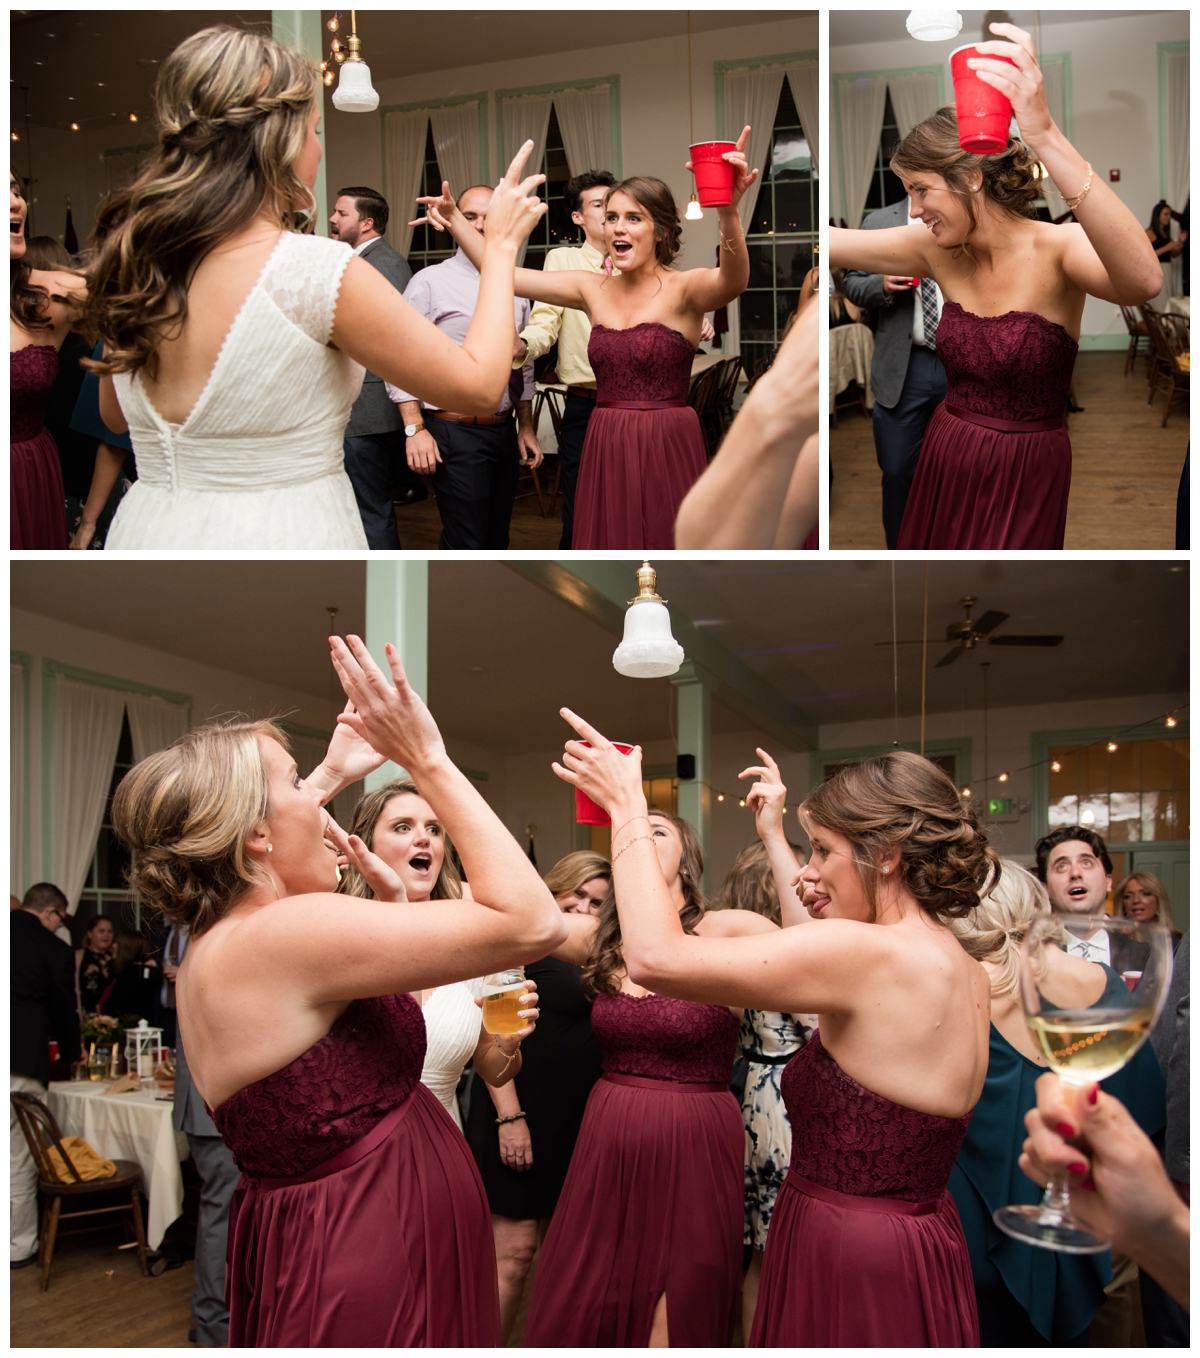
(929, 311)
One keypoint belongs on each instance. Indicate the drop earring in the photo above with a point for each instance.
(271, 846)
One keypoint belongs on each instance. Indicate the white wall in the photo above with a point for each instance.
(1114, 79)
(72, 164)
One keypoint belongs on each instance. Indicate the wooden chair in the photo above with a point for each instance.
(552, 398)
(1137, 333)
(41, 1134)
(1171, 359)
(702, 397)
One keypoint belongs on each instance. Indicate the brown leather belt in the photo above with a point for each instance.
(589, 393)
(470, 419)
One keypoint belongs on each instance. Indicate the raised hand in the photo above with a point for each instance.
(349, 756)
(439, 210)
(382, 880)
(509, 1043)
(743, 177)
(1022, 85)
(393, 721)
(515, 207)
(611, 779)
(767, 796)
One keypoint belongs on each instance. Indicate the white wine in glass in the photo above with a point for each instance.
(1084, 1046)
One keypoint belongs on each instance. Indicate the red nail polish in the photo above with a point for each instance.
(1077, 1168)
(1064, 1129)
(1093, 1095)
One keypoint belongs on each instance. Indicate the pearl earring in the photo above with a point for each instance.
(974, 188)
(271, 846)
(886, 869)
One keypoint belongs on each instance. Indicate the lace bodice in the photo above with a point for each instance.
(665, 1039)
(1012, 367)
(32, 371)
(647, 362)
(452, 1025)
(330, 1096)
(854, 1141)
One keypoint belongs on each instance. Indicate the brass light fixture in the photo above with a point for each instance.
(648, 650)
(354, 93)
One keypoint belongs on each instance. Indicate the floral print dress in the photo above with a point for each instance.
(769, 1040)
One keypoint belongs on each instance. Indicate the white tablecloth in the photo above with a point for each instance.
(1181, 306)
(133, 1127)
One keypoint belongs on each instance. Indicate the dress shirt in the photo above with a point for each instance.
(918, 328)
(362, 245)
(569, 327)
(447, 294)
(1094, 949)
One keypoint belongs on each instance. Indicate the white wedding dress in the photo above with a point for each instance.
(452, 1028)
(257, 464)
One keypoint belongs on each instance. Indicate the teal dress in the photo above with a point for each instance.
(1032, 1297)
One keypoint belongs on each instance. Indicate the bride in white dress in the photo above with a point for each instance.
(234, 345)
(398, 852)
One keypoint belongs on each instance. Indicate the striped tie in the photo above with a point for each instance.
(929, 311)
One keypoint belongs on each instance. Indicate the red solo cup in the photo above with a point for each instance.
(916, 282)
(714, 176)
(984, 114)
(53, 1051)
(1131, 978)
(586, 810)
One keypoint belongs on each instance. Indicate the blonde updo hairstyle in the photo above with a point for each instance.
(903, 801)
(187, 814)
(994, 932)
(575, 869)
(367, 815)
(1009, 177)
(233, 109)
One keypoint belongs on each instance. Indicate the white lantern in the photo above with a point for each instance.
(143, 1050)
(648, 650)
(934, 25)
(354, 93)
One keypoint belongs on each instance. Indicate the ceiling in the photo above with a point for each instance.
(95, 67)
(505, 654)
(847, 27)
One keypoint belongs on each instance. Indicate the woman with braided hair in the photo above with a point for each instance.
(235, 343)
(865, 1247)
(995, 465)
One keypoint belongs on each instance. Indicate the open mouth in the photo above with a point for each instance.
(816, 906)
(1077, 893)
(420, 862)
(14, 226)
(622, 249)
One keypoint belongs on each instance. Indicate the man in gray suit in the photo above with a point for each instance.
(909, 381)
(218, 1179)
(374, 438)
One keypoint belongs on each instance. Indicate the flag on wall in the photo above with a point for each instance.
(70, 239)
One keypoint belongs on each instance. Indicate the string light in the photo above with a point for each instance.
(1170, 720)
(966, 792)
(133, 118)
(742, 803)
(1055, 766)
(1003, 778)
(74, 127)
(1112, 747)
(720, 796)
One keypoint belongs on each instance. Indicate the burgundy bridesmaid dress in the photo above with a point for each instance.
(644, 450)
(360, 1219)
(995, 466)
(652, 1204)
(37, 501)
(865, 1247)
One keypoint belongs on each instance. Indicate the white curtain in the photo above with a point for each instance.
(1179, 150)
(456, 138)
(1054, 83)
(18, 717)
(914, 98)
(404, 163)
(154, 723)
(584, 119)
(85, 732)
(860, 103)
(802, 77)
(524, 118)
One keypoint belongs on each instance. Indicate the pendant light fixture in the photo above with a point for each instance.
(694, 212)
(934, 25)
(648, 650)
(354, 93)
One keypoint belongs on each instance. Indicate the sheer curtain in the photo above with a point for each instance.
(1054, 83)
(914, 98)
(860, 104)
(85, 732)
(524, 117)
(154, 723)
(456, 138)
(404, 163)
(1179, 149)
(802, 77)
(18, 716)
(584, 119)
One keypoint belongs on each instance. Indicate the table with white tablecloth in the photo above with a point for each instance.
(1180, 306)
(135, 1126)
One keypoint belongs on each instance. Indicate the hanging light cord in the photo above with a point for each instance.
(895, 667)
(691, 119)
(924, 655)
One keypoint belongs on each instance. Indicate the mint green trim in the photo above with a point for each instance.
(745, 64)
(1163, 48)
(1040, 743)
(51, 670)
(1093, 342)
(614, 112)
(961, 748)
(1068, 129)
(25, 660)
(836, 78)
(449, 102)
(303, 31)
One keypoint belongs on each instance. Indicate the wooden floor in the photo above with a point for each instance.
(1125, 466)
(420, 525)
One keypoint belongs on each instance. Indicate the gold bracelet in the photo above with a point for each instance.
(511, 1059)
(617, 831)
(731, 246)
(1073, 203)
(631, 843)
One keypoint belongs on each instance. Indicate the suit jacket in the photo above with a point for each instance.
(894, 310)
(189, 1113)
(41, 997)
(1127, 953)
(374, 412)
(1171, 1037)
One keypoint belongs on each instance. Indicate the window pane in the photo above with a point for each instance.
(1183, 776)
(758, 316)
(1093, 813)
(761, 221)
(1164, 816)
(1066, 780)
(1125, 816)
(1183, 815)
(1095, 769)
(793, 259)
(762, 266)
(1152, 813)
(1123, 768)
(1064, 811)
(1156, 764)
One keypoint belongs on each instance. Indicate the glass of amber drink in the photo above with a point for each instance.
(503, 999)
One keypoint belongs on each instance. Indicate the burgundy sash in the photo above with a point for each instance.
(891, 1206)
(675, 1086)
(1004, 426)
(640, 405)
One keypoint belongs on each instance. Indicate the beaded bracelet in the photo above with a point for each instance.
(1073, 203)
(631, 843)
(512, 1117)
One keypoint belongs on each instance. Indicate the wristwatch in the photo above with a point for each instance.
(411, 429)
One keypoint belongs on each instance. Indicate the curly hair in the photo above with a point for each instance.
(187, 813)
(903, 801)
(233, 109)
(995, 930)
(750, 885)
(657, 201)
(606, 959)
(367, 815)
(25, 302)
(1010, 177)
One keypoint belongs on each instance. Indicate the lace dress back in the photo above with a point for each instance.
(1016, 366)
(330, 1096)
(452, 1023)
(647, 362)
(258, 461)
(665, 1039)
(32, 371)
(37, 503)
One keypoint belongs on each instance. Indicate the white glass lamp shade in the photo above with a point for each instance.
(354, 93)
(648, 651)
(934, 25)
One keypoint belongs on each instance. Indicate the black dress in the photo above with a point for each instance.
(95, 972)
(133, 992)
(560, 1063)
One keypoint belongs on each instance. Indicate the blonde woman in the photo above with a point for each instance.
(360, 1220)
(235, 344)
(1143, 897)
(1029, 1298)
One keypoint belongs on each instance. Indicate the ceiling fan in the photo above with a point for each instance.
(966, 635)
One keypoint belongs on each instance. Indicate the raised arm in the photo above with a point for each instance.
(891, 250)
(710, 289)
(767, 798)
(1111, 257)
(577, 947)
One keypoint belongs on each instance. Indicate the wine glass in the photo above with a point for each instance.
(1087, 1045)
